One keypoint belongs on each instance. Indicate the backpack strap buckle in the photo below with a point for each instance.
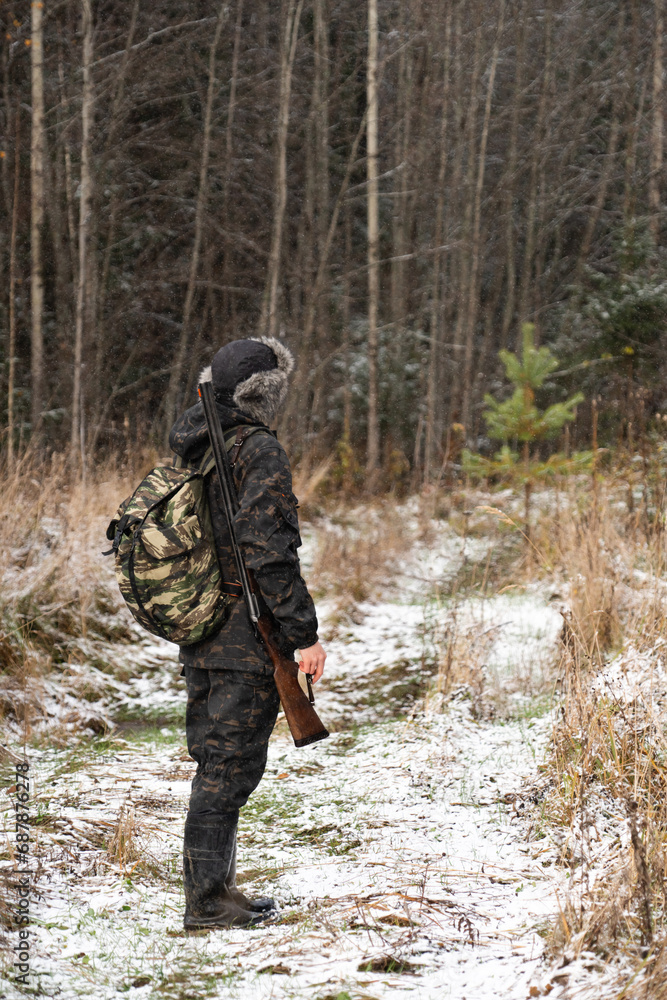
(242, 435)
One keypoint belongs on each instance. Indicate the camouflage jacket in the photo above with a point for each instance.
(267, 529)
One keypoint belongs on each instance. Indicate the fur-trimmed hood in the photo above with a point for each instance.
(261, 393)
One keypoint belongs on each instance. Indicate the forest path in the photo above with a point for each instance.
(403, 852)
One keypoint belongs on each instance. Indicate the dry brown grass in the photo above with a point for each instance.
(461, 653)
(124, 849)
(58, 594)
(308, 482)
(602, 544)
(360, 550)
(607, 775)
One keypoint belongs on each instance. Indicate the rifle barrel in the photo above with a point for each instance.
(304, 723)
(229, 494)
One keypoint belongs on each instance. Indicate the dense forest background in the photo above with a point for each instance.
(393, 188)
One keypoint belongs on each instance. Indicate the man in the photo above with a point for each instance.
(232, 698)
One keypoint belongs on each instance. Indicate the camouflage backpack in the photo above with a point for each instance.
(166, 562)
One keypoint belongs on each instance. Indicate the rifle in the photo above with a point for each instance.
(302, 719)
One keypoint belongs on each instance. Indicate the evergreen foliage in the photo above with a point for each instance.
(519, 419)
(613, 325)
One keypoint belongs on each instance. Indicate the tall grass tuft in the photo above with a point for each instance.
(607, 773)
(59, 604)
(123, 848)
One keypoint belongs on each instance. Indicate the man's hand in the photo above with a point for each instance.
(312, 661)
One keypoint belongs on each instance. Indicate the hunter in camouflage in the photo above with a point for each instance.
(232, 699)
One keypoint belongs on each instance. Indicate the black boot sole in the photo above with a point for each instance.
(192, 924)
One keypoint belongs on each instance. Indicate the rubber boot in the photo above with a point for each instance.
(207, 858)
(263, 904)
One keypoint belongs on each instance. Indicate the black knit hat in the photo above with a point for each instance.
(252, 375)
(236, 362)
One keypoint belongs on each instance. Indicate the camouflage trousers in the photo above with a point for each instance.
(229, 719)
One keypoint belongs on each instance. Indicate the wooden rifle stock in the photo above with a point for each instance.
(304, 723)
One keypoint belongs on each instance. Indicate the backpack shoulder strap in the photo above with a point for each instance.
(234, 440)
(241, 436)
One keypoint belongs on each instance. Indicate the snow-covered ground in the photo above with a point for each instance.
(406, 852)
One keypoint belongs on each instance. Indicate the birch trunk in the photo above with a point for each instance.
(321, 85)
(373, 441)
(6, 90)
(231, 106)
(11, 378)
(268, 322)
(111, 215)
(449, 365)
(229, 137)
(432, 422)
(473, 293)
(202, 197)
(399, 202)
(320, 334)
(658, 123)
(76, 438)
(510, 188)
(67, 158)
(37, 220)
(347, 389)
(312, 283)
(54, 183)
(538, 148)
(467, 189)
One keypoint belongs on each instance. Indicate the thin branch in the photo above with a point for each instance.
(153, 37)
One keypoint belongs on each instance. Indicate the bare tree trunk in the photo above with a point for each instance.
(269, 317)
(452, 294)
(315, 347)
(538, 149)
(373, 441)
(658, 123)
(229, 136)
(511, 174)
(37, 220)
(54, 184)
(194, 364)
(432, 428)
(321, 97)
(231, 106)
(71, 226)
(310, 279)
(630, 194)
(301, 276)
(603, 185)
(12, 297)
(402, 148)
(6, 90)
(84, 224)
(467, 190)
(202, 196)
(634, 112)
(475, 249)
(347, 388)
(99, 320)
(302, 280)
(302, 375)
